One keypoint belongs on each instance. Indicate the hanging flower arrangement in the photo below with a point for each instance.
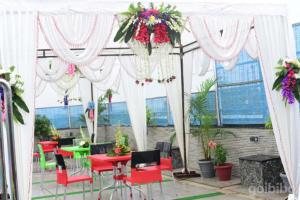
(151, 33)
(91, 110)
(287, 80)
(18, 104)
(164, 24)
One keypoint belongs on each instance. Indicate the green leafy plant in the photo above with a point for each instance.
(42, 126)
(268, 124)
(150, 117)
(199, 111)
(16, 84)
(220, 155)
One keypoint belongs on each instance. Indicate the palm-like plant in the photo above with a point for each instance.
(199, 111)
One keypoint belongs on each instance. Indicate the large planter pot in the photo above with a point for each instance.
(286, 183)
(206, 168)
(224, 171)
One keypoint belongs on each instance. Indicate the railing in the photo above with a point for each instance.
(7, 149)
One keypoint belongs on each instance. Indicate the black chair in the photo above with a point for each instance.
(65, 141)
(101, 148)
(165, 148)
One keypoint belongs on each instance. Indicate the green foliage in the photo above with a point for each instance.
(220, 155)
(199, 110)
(172, 138)
(42, 126)
(268, 124)
(150, 117)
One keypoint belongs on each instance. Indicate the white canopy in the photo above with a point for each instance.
(260, 29)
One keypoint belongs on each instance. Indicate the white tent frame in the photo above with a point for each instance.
(291, 162)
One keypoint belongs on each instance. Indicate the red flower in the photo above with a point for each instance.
(118, 150)
(161, 34)
(143, 35)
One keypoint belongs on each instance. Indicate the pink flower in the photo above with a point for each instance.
(118, 150)
(71, 69)
(212, 144)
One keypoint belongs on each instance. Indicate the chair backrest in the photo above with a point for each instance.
(164, 148)
(61, 170)
(76, 142)
(145, 157)
(65, 141)
(42, 156)
(101, 148)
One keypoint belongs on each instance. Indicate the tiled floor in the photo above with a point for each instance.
(180, 190)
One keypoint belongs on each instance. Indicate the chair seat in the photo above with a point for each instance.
(75, 179)
(50, 165)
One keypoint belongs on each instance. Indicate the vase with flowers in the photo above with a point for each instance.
(121, 147)
(55, 135)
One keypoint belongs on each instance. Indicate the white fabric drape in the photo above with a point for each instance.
(221, 37)
(90, 31)
(274, 43)
(136, 102)
(18, 40)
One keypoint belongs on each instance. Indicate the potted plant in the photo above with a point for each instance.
(205, 132)
(55, 134)
(42, 127)
(223, 169)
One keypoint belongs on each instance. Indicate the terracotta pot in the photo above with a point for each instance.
(224, 171)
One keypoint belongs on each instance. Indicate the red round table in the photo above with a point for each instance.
(48, 146)
(118, 172)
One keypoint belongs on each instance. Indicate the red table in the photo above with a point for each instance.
(48, 146)
(118, 172)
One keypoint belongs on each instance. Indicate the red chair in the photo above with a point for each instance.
(100, 167)
(48, 146)
(62, 177)
(165, 149)
(145, 169)
(65, 153)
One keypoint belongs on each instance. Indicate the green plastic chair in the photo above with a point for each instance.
(44, 165)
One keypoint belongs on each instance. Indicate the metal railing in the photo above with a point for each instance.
(7, 149)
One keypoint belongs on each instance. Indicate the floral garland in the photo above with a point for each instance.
(16, 84)
(90, 110)
(122, 146)
(287, 80)
(158, 25)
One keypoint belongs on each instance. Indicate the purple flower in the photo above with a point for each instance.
(286, 92)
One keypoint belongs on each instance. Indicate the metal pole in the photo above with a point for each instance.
(12, 171)
(183, 109)
(92, 97)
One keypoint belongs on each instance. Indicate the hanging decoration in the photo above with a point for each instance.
(16, 84)
(91, 110)
(71, 69)
(66, 100)
(288, 80)
(151, 33)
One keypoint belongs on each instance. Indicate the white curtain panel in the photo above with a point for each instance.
(65, 31)
(85, 92)
(273, 39)
(222, 45)
(136, 102)
(18, 42)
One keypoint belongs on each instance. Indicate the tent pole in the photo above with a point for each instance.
(185, 172)
(185, 169)
(92, 98)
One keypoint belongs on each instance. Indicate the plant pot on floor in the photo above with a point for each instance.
(206, 168)
(224, 171)
(286, 183)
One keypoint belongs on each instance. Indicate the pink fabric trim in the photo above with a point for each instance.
(208, 54)
(68, 41)
(212, 39)
(62, 59)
